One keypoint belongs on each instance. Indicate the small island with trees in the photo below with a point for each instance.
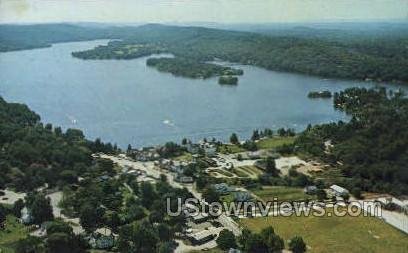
(320, 94)
(190, 68)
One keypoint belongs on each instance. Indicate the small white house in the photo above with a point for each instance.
(338, 190)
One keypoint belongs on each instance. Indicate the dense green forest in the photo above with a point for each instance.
(365, 58)
(372, 149)
(380, 54)
(32, 154)
(118, 50)
(19, 37)
(190, 68)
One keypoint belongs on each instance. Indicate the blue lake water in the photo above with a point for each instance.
(124, 101)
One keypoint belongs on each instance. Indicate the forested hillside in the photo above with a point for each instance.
(371, 149)
(32, 154)
(380, 54)
(364, 58)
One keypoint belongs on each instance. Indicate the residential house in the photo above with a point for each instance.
(202, 237)
(222, 188)
(338, 190)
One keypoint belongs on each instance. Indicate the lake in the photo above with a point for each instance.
(124, 101)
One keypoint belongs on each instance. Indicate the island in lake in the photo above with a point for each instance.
(189, 68)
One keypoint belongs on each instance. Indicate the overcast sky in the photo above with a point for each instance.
(221, 11)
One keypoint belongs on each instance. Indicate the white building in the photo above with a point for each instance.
(338, 190)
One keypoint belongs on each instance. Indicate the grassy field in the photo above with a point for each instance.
(282, 193)
(230, 149)
(13, 232)
(336, 234)
(223, 172)
(252, 171)
(186, 157)
(240, 173)
(274, 142)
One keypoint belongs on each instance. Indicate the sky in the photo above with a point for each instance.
(219, 11)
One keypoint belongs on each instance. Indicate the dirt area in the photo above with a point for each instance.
(10, 197)
(285, 163)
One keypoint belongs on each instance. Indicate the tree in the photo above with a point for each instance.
(255, 244)
(210, 195)
(137, 237)
(321, 194)
(65, 243)
(89, 217)
(356, 193)
(271, 166)
(234, 139)
(129, 148)
(148, 194)
(40, 208)
(59, 227)
(281, 132)
(166, 247)
(272, 240)
(255, 135)
(17, 207)
(2, 216)
(226, 240)
(112, 220)
(30, 244)
(297, 245)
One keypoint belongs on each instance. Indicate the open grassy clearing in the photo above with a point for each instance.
(240, 173)
(13, 232)
(223, 172)
(230, 149)
(186, 157)
(329, 175)
(252, 171)
(282, 193)
(336, 234)
(274, 142)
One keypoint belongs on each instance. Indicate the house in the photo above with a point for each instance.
(184, 179)
(102, 242)
(311, 189)
(26, 217)
(242, 196)
(202, 237)
(338, 190)
(222, 188)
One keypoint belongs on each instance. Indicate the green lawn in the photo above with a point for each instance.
(240, 173)
(186, 157)
(282, 193)
(13, 232)
(274, 142)
(230, 149)
(336, 234)
(252, 171)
